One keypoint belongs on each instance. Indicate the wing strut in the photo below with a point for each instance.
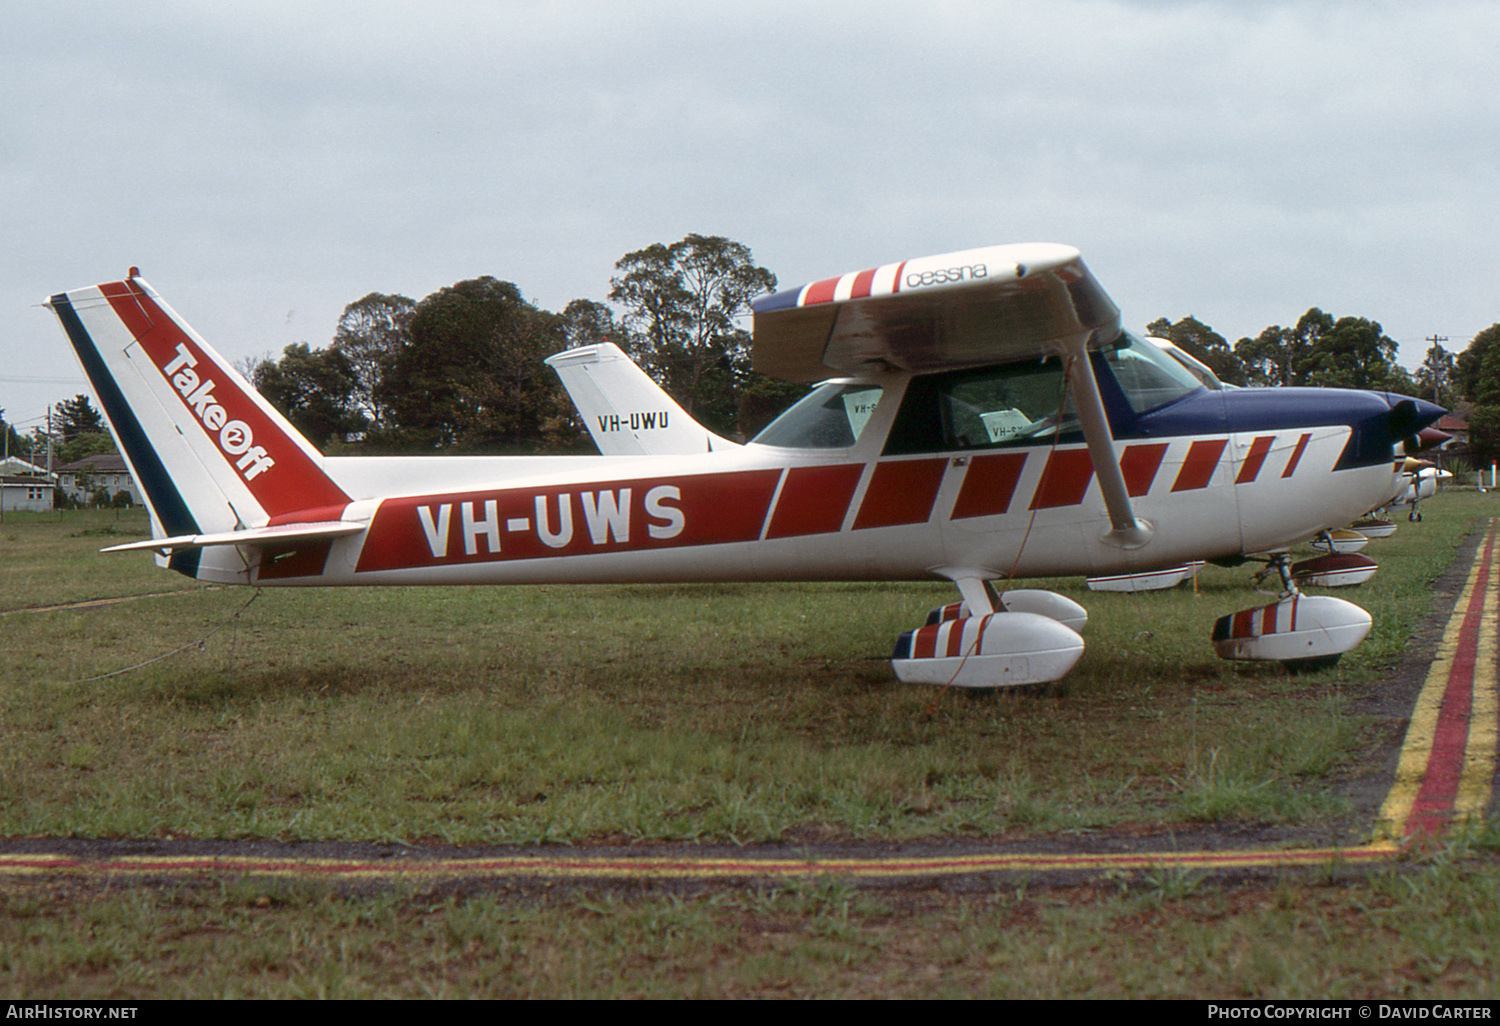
(1126, 530)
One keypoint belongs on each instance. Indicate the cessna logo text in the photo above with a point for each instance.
(234, 436)
(947, 275)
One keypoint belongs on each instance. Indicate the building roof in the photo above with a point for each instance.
(100, 463)
(16, 465)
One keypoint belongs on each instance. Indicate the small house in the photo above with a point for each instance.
(25, 493)
(82, 479)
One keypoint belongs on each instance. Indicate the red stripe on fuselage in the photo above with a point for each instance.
(276, 470)
(989, 485)
(862, 282)
(1065, 479)
(1291, 464)
(1198, 468)
(1250, 469)
(814, 500)
(900, 492)
(1139, 464)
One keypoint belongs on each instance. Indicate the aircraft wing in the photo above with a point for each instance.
(959, 309)
(281, 534)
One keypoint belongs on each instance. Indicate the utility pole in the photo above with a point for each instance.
(1436, 371)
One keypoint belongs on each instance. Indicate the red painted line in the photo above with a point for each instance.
(1432, 810)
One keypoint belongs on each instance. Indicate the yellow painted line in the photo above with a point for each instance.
(690, 867)
(1416, 749)
(1484, 719)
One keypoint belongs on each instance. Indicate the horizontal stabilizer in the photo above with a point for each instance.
(281, 534)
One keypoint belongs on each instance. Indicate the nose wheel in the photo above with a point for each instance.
(1300, 631)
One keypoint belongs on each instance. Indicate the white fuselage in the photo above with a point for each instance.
(760, 513)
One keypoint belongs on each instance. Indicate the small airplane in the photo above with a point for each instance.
(982, 417)
(1419, 480)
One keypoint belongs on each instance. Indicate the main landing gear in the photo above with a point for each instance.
(1029, 636)
(1025, 636)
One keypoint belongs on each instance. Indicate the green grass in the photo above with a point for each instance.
(739, 713)
(1427, 931)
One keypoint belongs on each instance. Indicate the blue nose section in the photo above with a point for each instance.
(1377, 437)
(1380, 421)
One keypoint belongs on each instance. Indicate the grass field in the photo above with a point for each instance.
(726, 713)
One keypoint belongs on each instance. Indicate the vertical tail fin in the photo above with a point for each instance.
(627, 413)
(209, 453)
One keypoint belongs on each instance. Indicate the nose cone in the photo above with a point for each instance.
(1407, 419)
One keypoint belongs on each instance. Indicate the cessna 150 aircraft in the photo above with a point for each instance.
(981, 417)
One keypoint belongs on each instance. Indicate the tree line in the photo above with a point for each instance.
(1318, 351)
(461, 370)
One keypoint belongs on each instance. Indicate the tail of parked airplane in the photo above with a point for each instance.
(626, 412)
(223, 473)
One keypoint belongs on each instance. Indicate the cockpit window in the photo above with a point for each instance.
(1148, 377)
(831, 416)
(1027, 402)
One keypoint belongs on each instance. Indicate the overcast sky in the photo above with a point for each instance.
(266, 163)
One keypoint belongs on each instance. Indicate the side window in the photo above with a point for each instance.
(1022, 403)
(831, 416)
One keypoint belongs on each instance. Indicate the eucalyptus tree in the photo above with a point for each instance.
(683, 304)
